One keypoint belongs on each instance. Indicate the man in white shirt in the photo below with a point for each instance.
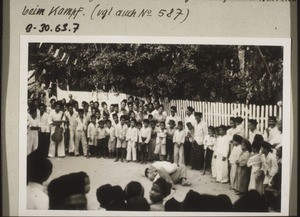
(44, 133)
(173, 116)
(197, 154)
(172, 173)
(240, 130)
(80, 127)
(252, 123)
(272, 134)
(189, 118)
(71, 117)
(178, 140)
(38, 171)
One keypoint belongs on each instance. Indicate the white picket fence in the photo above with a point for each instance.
(217, 113)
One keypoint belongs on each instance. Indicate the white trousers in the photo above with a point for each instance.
(178, 154)
(32, 141)
(131, 150)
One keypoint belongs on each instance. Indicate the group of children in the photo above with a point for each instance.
(141, 131)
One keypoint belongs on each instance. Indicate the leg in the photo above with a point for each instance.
(176, 154)
(181, 155)
(77, 142)
(134, 149)
(128, 156)
(71, 142)
(84, 144)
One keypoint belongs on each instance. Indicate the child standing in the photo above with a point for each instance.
(152, 142)
(214, 158)
(243, 172)
(121, 130)
(255, 163)
(222, 151)
(101, 138)
(169, 140)
(209, 143)
(91, 135)
(131, 138)
(145, 136)
(80, 133)
(111, 139)
(233, 159)
(160, 148)
(178, 139)
(138, 154)
(33, 133)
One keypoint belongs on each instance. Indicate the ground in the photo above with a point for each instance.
(102, 171)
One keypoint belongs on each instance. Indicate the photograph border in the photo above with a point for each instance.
(286, 120)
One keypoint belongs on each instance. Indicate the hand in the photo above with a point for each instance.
(223, 158)
(215, 157)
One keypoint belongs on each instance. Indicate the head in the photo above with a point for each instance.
(101, 124)
(57, 107)
(189, 110)
(42, 108)
(258, 139)
(279, 125)
(123, 103)
(198, 116)
(33, 112)
(141, 109)
(130, 99)
(98, 114)
(132, 114)
(162, 125)
(93, 119)
(80, 113)
(130, 106)
(272, 121)
(104, 105)
(138, 203)
(237, 140)
(252, 201)
(132, 122)
(116, 108)
(173, 110)
(150, 107)
(211, 130)
(70, 108)
(135, 106)
(252, 123)
(238, 120)
(111, 108)
(256, 146)
(161, 109)
(104, 195)
(122, 119)
(38, 168)
(67, 192)
(145, 109)
(150, 117)
(246, 145)
(156, 105)
(146, 123)
(189, 125)
(160, 189)
(222, 130)
(232, 122)
(108, 123)
(92, 104)
(172, 124)
(266, 148)
(180, 125)
(133, 189)
(93, 111)
(150, 173)
(96, 104)
(139, 125)
(116, 118)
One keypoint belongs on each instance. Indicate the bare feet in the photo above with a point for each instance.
(184, 182)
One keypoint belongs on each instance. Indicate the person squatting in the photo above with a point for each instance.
(141, 131)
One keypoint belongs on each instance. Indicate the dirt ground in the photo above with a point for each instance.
(102, 171)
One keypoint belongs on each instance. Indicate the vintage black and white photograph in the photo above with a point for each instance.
(154, 125)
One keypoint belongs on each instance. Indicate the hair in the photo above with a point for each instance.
(146, 172)
(258, 138)
(252, 201)
(248, 145)
(211, 128)
(123, 117)
(108, 121)
(165, 187)
(161, 106)
(104, 195)
(93, 116)
(146, 121)
(38, 168)
(42, 105)
(133, 121)
(138, 203)
(150, 115)
(133, 189)
(171, 122)
(180, 123)
(174, 108)
(103, 104)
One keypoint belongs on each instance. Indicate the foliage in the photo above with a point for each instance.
(164, 70)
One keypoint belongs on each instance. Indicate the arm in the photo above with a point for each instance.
(164, 174)
(244, 159)
(148, 136)
(274, 166)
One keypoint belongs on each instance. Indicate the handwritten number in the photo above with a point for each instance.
(76, 27)
(179, 12)
(64, 27)
(161, 12)
(170, 13)
(28, 27)
(187, 14)
(44, 27)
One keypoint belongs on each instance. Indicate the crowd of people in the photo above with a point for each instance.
(142, 131)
